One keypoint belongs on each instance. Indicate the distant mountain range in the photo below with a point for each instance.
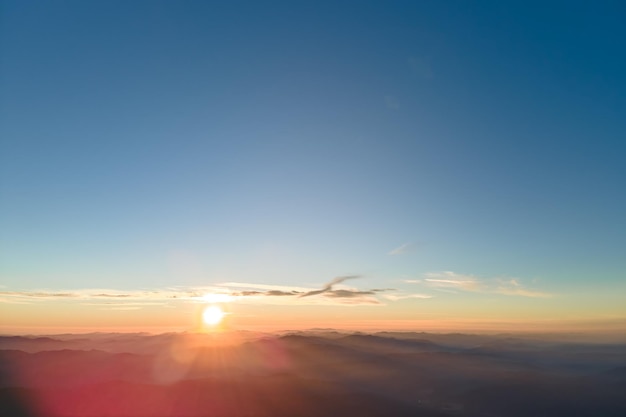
(317, 373)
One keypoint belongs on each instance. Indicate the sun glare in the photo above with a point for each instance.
(212, 315)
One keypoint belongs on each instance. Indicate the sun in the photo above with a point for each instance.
(212, 315)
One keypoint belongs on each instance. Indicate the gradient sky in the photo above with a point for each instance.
(468, 158)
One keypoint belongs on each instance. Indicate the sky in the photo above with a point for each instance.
(414, 165)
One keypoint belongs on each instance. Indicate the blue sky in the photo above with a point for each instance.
(150, 144)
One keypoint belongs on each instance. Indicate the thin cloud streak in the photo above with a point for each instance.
(332, 293)
(109, 295)
(401, 250)
(270, 293)
(250, 285)
(393, 297)
(38, 294)
(451, 281)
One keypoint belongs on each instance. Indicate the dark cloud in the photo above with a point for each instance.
(329, 286)
(282, 293)
(249, 293)
(347, 293)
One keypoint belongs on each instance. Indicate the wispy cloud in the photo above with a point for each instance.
(113, 303)
(328, 294)
(452, 281)
(394, 297)
(38, 294)
(402, 249)
(361, 300)
(254, 285)
(332, 293)
(112, 295)
(348, 293)
(449, 279)
(270, 293)
(329, 285)
(513, 287)
(105, 295)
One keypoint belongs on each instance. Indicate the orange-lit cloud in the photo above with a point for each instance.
(332, 293)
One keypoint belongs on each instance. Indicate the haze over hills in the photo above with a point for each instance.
(315, 373)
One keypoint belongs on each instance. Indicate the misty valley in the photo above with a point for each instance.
(310, 374)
